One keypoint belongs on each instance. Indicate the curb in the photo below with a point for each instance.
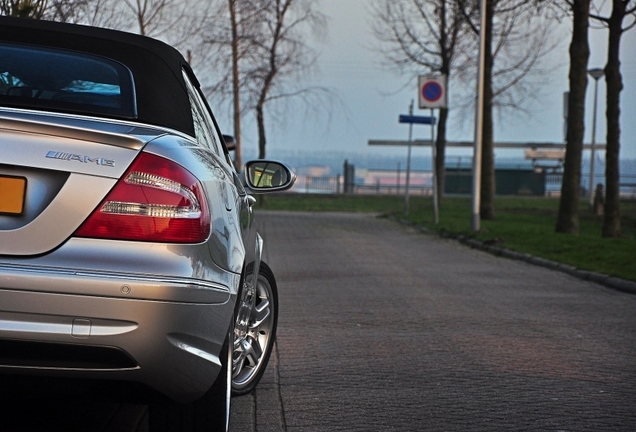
(618, 284)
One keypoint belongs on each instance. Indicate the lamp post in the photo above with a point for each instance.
(475, 222)
(596, 74)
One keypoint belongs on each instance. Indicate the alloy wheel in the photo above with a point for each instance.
(254, 331)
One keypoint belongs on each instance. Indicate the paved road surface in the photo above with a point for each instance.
(385, 329)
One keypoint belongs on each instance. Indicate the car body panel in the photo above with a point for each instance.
(106, 307)
(149, 300)
(161, 337)
(47, 125)
(48, 275)
(59, 219)
(149, 272)
(123, 133)
(226, 242)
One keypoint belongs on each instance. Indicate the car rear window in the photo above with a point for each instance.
(60, 80)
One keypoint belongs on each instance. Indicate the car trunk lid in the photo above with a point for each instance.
(54, 172)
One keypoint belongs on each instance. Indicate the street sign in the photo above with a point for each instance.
(432, 91)
(416, 119)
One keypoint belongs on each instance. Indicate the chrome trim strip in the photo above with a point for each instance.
(158, 280)
(50, 368)
(122, 276)
(15, 322)
(34, 327)
(123, 286)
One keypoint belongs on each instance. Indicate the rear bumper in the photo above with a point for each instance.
(166, 334)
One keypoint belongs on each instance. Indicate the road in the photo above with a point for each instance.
(383, 328)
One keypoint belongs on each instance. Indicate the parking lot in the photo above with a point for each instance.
(382, 328)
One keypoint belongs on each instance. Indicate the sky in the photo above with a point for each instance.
(372, 98)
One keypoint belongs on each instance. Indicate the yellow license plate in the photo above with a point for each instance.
(12, 191)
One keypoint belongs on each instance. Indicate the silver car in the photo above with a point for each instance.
(128, 248)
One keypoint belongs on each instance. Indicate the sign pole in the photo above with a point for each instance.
(432, 94)
(434, 163)
(408, 164)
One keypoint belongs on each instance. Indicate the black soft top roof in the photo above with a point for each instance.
(156, 67)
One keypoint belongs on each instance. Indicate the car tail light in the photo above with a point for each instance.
(157, 200)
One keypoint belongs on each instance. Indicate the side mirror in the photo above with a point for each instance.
(268, 176)
(229, 142)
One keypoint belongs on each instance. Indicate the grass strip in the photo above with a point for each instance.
(522, 224)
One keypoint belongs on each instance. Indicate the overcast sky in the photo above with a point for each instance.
(372, 99)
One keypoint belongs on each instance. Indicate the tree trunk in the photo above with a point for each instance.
(486, 209)
(614, 82)
(440, 153)
(238, 159)
(568, 217)
(260, 122)
(440, 143)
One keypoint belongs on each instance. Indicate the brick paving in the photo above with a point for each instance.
(385, 329)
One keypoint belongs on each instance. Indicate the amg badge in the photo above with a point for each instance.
(80, 158)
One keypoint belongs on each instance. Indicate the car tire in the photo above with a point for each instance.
(255, 330)
(210, 413)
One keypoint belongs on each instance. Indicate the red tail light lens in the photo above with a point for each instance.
(156, 200)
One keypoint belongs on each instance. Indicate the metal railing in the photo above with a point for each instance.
(329, 185)
(334, 185)
(627, 185)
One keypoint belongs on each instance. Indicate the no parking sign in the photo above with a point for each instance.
(432, 91)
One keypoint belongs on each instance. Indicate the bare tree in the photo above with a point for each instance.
(281, 57)
(420, 34)
(517, 39)
(229, 42)
(614, 81)
(98, 13)
(177, 22)
(23, 8)
(92, 12)
(272, 56)
(431, 35)
(151, 16)
(568, 216)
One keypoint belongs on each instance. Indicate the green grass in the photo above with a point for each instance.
(523, 224)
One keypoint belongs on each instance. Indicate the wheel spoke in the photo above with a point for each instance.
(238, 363)
(259, 314)
(252, 350)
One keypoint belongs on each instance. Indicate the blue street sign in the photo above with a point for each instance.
(416, 119)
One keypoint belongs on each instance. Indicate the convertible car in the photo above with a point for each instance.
(128, 249)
